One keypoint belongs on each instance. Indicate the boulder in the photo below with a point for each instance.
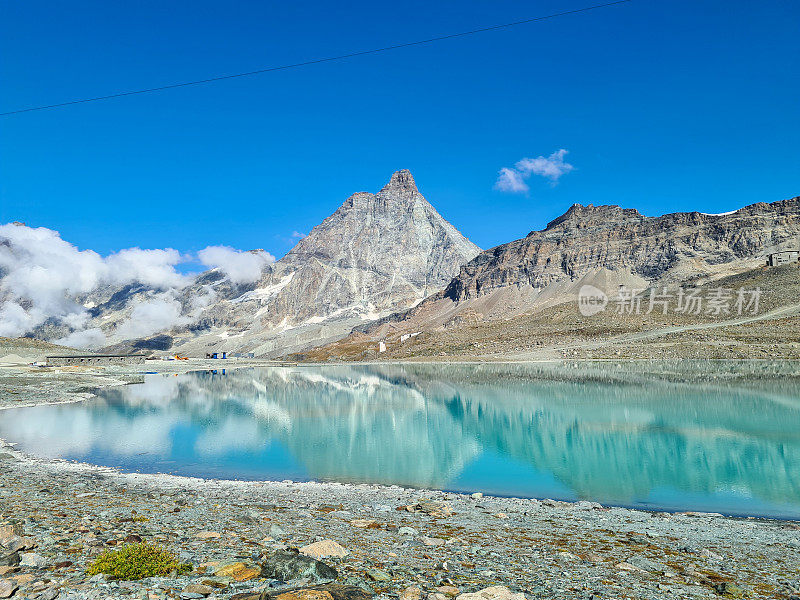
(362, 523)
(9, 559)
(30, 559)
(7, 588)
(198, 588)
(330, 591)
(305, 595)
(411, 593)
(432, 541)
(324, 549)
(287, 565)
(16, 542)
(497, 592)
(378, 575)
(238, 571)
(50, 593)
(434, 508)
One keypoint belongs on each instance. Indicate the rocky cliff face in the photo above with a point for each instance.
(378, 253)
(672, 247)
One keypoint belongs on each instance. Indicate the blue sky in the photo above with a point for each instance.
(663, 106)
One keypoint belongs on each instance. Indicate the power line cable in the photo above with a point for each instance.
(315, 61)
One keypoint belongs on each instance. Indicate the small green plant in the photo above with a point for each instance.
(137, 561)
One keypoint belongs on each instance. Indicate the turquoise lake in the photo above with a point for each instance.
(714, 436)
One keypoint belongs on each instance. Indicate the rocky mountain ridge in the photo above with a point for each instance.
(670, 247)
(602, 246)
(375, 255)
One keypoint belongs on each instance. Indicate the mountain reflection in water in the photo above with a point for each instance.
(608, 433)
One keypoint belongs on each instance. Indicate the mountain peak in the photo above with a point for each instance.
(401, 180)
(590, 213)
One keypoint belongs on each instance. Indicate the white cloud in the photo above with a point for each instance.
(297, 235)
(87, 339)
(41, 275)
(150, 267)
(15, 320)
(552, 167)
(510, 181)
(150, 317)
(236, 265)
(199, 302)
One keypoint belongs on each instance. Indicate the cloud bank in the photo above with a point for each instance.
(553, 167)
(42, 276)
(45, 279)
(150, 317)
(238, 266)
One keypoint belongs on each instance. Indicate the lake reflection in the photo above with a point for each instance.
(608, 433)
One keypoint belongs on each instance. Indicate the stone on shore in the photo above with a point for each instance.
(626, 566)
(238, 571)
(362, 523)
(287, 565)
(305, 595)
(11, 529)
(432, 541)
(15, 543)
(378, 575)
(412, 592)
(199, 588)
(330, 591)
(434, 508)
(50, 593)
(7, 588)
(730, 590)
(324, 549)
(30, 559)
(277, 532)
(9, 559)
(497, 592)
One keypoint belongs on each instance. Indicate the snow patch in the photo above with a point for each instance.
(722, 214)
(316, 320)
(266, 293)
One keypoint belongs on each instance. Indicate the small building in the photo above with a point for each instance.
(783, 258)
(82, 360)
(408, 336)
(217, 355)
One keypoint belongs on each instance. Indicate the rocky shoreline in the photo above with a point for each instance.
(248, 540)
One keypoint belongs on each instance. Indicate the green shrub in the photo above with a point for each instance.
(137, 561)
